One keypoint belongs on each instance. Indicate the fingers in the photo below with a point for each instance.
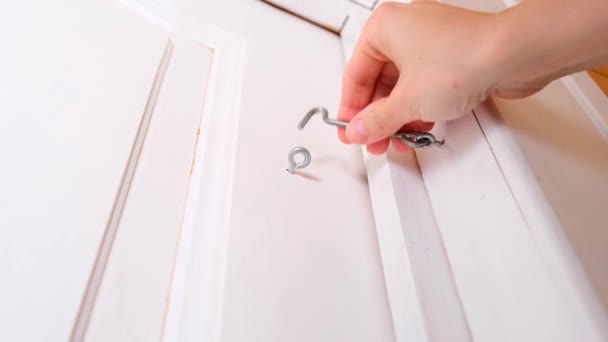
(359, 82)
(368, 100)
(373, 123)
(400, 146)
(381, 119)
(378, 147)
(385, 84)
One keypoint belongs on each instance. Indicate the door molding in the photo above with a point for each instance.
(194, 304)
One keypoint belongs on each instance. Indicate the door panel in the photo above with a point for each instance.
(75, 81)
(132, 301)
(302, 261)
(569, 157)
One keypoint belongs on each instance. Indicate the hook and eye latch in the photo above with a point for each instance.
(418, 139)
(411, 139)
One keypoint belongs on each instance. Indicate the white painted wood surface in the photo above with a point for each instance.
(591, 98)
(217, 242)
(499, 267)
(72, 91)
(135, 292)
(567, 158)
(167, 267)
(295, 270)
(553, 153)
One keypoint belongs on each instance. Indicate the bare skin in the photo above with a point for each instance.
(419, 63)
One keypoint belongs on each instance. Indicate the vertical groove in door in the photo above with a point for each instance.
(105, 247)
(461, 317)
(185, 207)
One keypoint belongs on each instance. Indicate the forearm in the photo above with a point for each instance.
(541, 40)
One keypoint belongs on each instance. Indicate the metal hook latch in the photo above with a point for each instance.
(411, 139)
(418, 139)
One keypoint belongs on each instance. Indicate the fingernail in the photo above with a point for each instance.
(357, 132)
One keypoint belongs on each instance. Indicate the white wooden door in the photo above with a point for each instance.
(301, 262)
(144, 192)
(144, 196)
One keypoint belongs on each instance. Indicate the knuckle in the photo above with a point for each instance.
(380, 15)
(379, 26)
(386, 8)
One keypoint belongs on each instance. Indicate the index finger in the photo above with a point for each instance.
(359, 82)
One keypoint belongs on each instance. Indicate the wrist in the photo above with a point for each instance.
(538, 41)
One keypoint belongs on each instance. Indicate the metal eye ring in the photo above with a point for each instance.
(291, 157)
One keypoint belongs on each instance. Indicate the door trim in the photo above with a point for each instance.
(194, 304)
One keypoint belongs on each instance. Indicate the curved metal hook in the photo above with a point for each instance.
(411, 139)
(293, 165)
(326, 118)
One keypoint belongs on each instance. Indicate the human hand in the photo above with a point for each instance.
(416, 64)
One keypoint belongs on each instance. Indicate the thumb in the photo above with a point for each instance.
(379, 120)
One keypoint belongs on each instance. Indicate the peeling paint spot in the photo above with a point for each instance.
(198, 133)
